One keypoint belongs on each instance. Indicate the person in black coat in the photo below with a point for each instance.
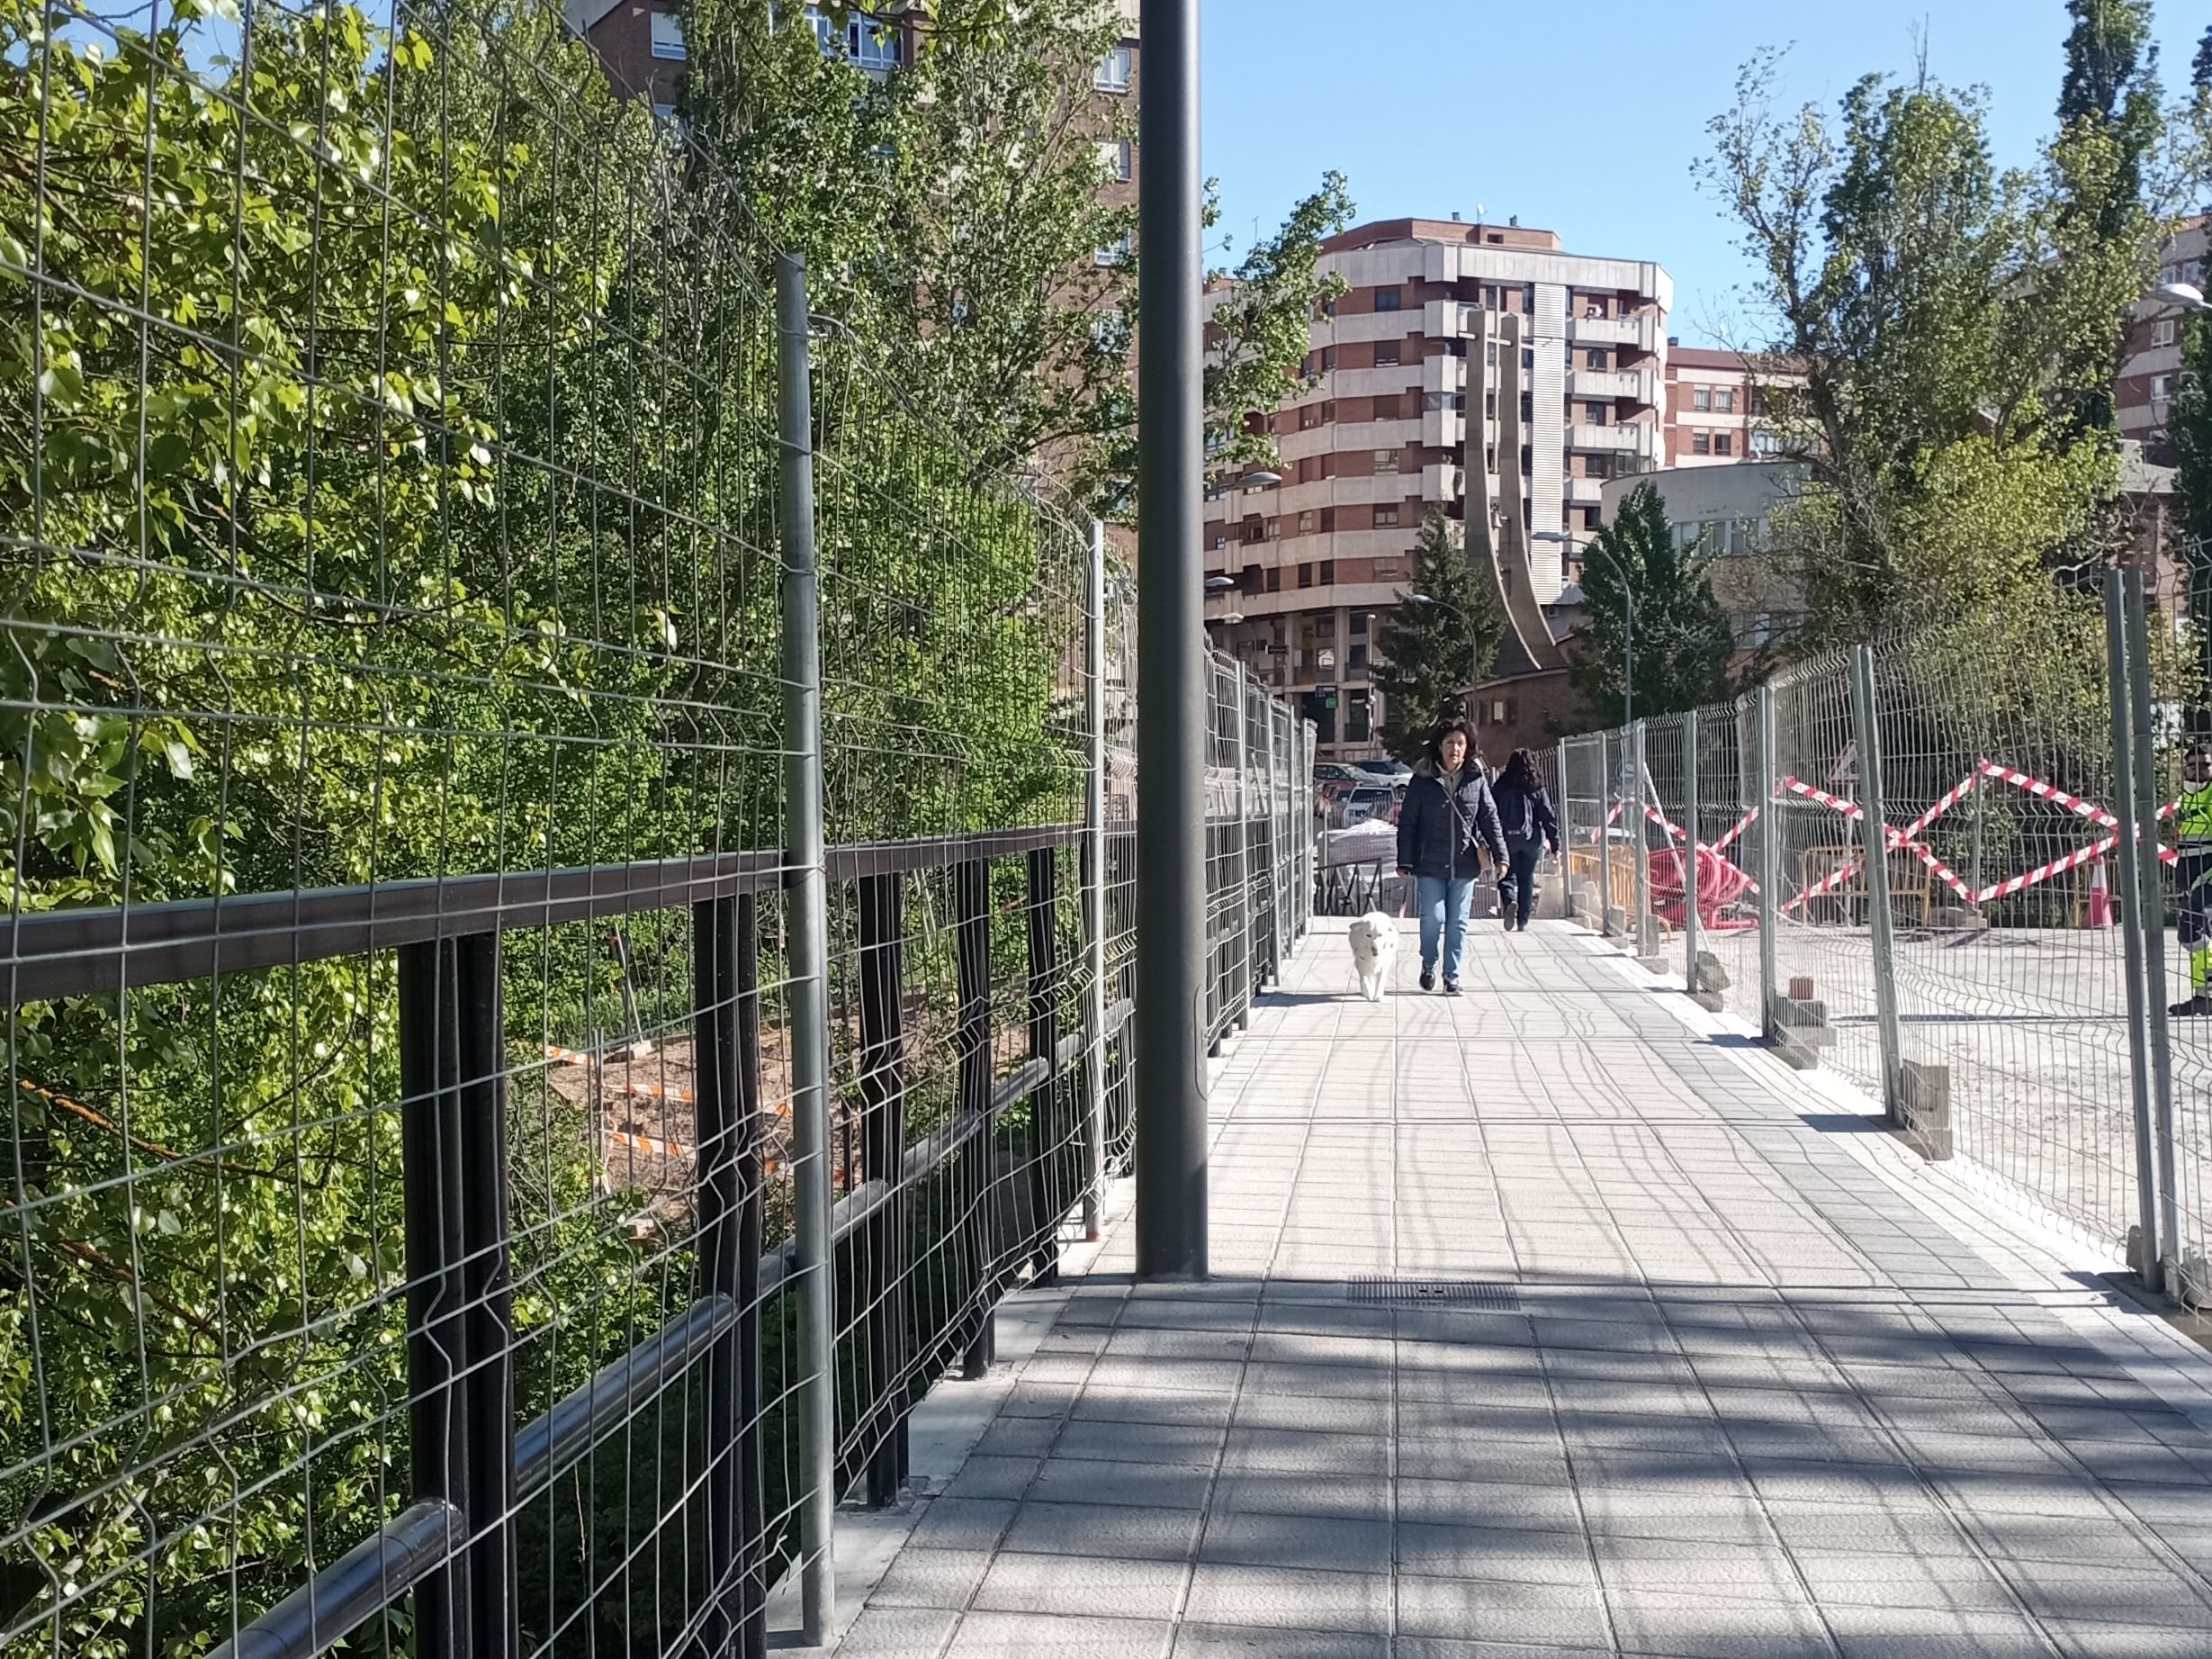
(1529, 824)
(1448, 815)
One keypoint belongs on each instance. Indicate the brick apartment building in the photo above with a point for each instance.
(1478, 368)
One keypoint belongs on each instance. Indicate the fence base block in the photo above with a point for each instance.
(1801, 1030)
(1926, 1103)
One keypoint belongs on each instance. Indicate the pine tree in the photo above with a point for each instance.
(2200, 68)
(1438, 643)
(2109, 56)
(1683, 642)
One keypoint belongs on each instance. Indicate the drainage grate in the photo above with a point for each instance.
(1469, 1293)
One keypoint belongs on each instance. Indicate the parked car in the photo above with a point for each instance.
(1369, 801)
(1335, 772)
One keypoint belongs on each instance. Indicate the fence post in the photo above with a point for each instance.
(1246, 919)
(1769, 863)
(1875, 826)
(1094, 898)
(1046, 1137)
(805, 881)
(1565, 814)
(1605, 836)
(2151, 887)
(1642, 841)
(1691, 977)
(2149, 1215)
(882, 1143)
(971, 901)
(726, 968)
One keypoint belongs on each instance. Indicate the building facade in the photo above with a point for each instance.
(1716, 408)
(1478, 368)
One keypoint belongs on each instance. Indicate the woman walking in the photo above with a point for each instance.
(1525, 812)
(1448, 811)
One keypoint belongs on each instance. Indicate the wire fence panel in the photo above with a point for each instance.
(2000, 862)
(404, 1046)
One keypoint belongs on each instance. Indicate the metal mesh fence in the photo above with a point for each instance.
(409, 1046)
(1986, 984)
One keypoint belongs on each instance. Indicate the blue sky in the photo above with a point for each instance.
(1584, 118)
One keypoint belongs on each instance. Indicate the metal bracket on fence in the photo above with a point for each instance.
(2153, 897)
(1094, 891)
(1769, 866)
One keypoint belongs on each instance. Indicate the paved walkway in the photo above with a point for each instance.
(1747, 1380)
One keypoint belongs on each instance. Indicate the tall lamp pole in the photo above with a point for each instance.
(1170, 1060)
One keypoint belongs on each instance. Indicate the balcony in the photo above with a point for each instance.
(1637, 438)
(1443, 375)
(1440, 483)
(1641, 332)
(1584, 491)
(1634, 385)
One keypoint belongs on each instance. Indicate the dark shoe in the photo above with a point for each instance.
(1508, 920)
(1428, 978)
(2197, 1007)
(1451, 987)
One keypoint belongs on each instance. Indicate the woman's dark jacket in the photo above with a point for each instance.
(1437, 828)
(1526, 814)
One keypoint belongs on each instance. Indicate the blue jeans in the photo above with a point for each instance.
(1443, 911)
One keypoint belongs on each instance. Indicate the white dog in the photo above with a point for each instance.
(1374, 948)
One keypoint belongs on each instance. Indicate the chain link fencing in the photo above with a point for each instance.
(571, 862)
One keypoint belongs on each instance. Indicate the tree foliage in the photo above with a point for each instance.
(1639, 587)
(1946, 319)
(1434, 648)
(953, 219)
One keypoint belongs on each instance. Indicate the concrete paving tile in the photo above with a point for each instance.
(1117, 1530)
(2103, 1640)
(1194, 1641)
(1107, 1587)
(1447, 1647)
(987, 1477)
(1715, 1627)
(962, 1523)
(2085, 1591)
(897, 1633)
(1234, 1593)
(1313, 1413)
(1756, 1571)
(1028, 1636)
(1955, 1583)
(1331, 1545)
(1487, 1503)
(945, 1578)
(1499, 1611)
(1154, 1405)
(1519, 1553)
(1282, 1451)
(1074, 1480)
(1351, 1497)
(1019, 1436)
(1197, 1445)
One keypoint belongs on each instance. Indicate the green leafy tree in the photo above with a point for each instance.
(1637, 581)
(1950, 323)
(1438, 643)
(954, 221)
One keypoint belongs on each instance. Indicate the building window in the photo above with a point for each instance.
(1114, 158)
(1386, 460)
(1758, 399)
(1765, 443)
(1595, 310)
(1491, 300)
(1593, 414)
(1308, 522)
(1388, 300)
(1701, 397)
(1113, 70)
(1305, 575)
(1592, 517)
(2162, 331)
(1528, 359)
(1386, 517)
(2162, 388)
(1386, 354)
(1597, 358)
(1116, 251)
(665, 112)
(668, 35)
(1701, 443)
(1724, 400)
(1329, 572)
(871, 45)
(1274, 580)
(1359, 617)
(1723, 443)
(1309, 417)
(1356, 657)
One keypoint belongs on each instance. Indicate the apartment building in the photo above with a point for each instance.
(1716, 408)
(1478, 368)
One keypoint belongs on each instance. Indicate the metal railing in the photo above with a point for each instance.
(2003, 985)
(569, 928)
